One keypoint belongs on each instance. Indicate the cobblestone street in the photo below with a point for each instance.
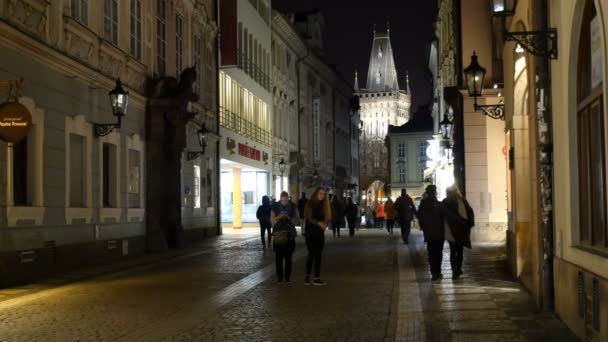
(378, 290)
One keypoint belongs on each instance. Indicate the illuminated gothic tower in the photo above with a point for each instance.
(383, 103)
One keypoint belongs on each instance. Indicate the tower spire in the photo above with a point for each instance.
(356, 81)
(407, 83)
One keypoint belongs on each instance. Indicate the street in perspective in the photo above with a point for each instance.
(280, 170)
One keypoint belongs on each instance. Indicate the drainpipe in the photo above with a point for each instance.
(298, 61)
(218, 220)
(545, 157)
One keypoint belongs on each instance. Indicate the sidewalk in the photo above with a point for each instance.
(228, 239)
(486, 304)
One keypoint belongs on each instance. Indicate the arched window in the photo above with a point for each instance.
(590, 131)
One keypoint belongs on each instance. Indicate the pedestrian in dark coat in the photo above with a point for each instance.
(457, 225)
(284, 219)
(263, 216)
(352, 213)
(337, 215)
(317, 215)
(431, 214)
(404, 214)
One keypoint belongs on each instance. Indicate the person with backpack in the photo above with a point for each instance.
(284, 219)
(263, 216)
(404, 212)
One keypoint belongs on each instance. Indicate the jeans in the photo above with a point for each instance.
(284, 254)
(390, 224)
(435, 251)
(456, 256)
(314, 244)
(406, 227)
(263, 230)
(380, 222)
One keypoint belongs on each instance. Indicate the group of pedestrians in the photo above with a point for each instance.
(451, 220)
(279, 220)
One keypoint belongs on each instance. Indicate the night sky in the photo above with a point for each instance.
(348, 36)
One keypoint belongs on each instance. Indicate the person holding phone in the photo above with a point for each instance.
(317, 215)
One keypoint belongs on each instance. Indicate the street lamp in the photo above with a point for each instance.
(503, 7)
(541, 43)
(446, 127)
(119, 100)
(474, 75)
(203, 137)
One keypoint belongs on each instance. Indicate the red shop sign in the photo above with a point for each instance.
(249, 152)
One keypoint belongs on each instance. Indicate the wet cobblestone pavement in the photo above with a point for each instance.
(378, 290)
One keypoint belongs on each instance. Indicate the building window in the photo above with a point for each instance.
(401, 150)
(20, 169)
(590, 131)
(80, 11)
(422, 150)
(109, 175)
(196, 56)
(209, 186)
(179, 43)
(134, 179)
(136, 29)
(376, 160)
(161, 37)
(196, 186)
(110, 21)
(401, 172)
(77, 171)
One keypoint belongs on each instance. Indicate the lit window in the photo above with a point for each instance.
(196, 185)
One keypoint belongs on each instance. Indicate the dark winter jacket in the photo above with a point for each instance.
(285, 224)
(337, 211)
(431, 214)
(461, 228)
(263, 213)
(352, 212)
(405, 208)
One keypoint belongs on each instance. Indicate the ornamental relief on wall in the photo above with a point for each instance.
(30, 15)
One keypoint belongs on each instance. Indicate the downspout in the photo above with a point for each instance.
(299, 111)
(545, 157)
(217, 122)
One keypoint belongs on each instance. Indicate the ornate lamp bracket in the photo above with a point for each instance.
(539, 43)
(101, 130)
(493, 111)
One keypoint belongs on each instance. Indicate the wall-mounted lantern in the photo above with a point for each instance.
(119, 100)
(203, 138)
(541, 43)
(474, 75)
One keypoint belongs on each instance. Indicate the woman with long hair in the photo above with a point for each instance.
(317, 214)
(458, 224)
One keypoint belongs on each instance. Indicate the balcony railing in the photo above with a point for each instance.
(247, 65)
(244, 127)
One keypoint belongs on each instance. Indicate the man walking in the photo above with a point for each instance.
(405, 211)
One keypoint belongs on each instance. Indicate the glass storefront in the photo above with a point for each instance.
(254, 185)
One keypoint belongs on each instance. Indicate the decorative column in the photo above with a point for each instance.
(237, 199)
